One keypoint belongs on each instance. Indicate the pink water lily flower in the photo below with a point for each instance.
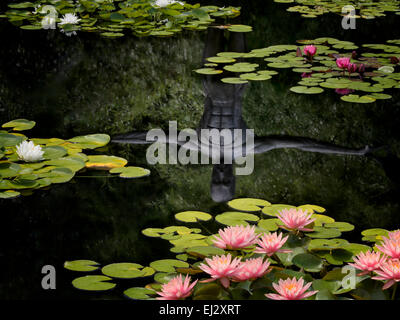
(177, 288)
(352, 67)
(235, 237)
(271, 243)
(251, 269)
(310, 50)
(390, 271)
(344, 92)
(306, 75)
(342, 62)
(295, 219)
(394, 235)
(291, 289)
(390, 246)
(368, 261)
(221, 268)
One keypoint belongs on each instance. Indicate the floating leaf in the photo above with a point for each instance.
(269, 224)
(91, 141)
(138, 293)
(81, 265)
(102, 162)
(248, 204)
(131, 172)
(126, 270)
(204, 251)
(357, 99)
(306, 90)
(308, 261)
(9, 194)
(208, 71)
(192, 216)
(54, 152)
(274, 209)
(168, 265)
(19, 124)
(235, 218)
(93, 283)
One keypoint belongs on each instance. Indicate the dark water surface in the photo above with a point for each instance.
(85, 84)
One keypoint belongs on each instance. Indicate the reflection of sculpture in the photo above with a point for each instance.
(223, 111)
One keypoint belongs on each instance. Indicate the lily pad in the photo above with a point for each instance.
(93, 283)
(81, 265)
(308, 261)
(248, 204)
(168, 265)
(192, 216)
(131, 172)
(234, 218)
(138, 293)
(19, 124)
(126, 270)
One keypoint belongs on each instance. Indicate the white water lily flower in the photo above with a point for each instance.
(28, 152)
(69, 18)
(164, 3)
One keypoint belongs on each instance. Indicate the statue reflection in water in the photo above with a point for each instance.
(222, 113)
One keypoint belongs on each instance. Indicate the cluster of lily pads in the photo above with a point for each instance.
(114, 18)
(315, 255)
(365, 9)
(27, 166)
(375, 67)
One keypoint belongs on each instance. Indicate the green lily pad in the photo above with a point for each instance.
(240, 28)
(326, 244)
(358, 99)
(204, 251)
(192, 216)
(324, 233)
(221, 59)
(208, 71)
(9, 194)
(274, 209)
(93, 283)
(73, 163)
(308, 261)
(91, 141)
(341, 226)
(138, 293)
(241, 67)
(269, 224)
(248, 204)
(168, 265)
(19, 124)
(306, 90)
(131, 172)
(103, 162)
(53, 152)
(81, 265)
(126, 270)
(9, 140)
(234, 218)
(233, 80)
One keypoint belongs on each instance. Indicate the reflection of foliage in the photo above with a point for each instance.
(61, 160)
(366, 10)
(317, 253)
(373, 72)
(116, 17)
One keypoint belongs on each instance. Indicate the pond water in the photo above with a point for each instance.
(86, 84)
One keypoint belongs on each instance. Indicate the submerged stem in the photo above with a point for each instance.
(394, 291)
